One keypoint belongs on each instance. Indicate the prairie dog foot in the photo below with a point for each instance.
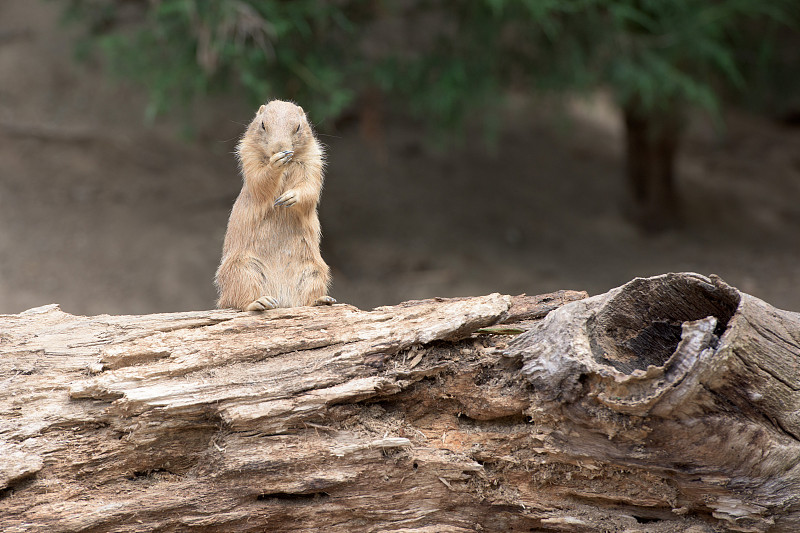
(265, 303)
(281, 158)
(325, 300)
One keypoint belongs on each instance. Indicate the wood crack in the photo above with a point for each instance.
(301, 419)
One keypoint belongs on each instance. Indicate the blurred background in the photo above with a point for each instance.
(474, 146)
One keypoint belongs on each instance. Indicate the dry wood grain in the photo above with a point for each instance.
(669, 404)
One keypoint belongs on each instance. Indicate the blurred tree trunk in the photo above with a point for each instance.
(372, 122)
(651, 147)
(667, 405)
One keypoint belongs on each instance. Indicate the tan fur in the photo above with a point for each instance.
(272, 251)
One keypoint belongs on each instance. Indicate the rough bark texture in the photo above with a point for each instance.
(669, 404)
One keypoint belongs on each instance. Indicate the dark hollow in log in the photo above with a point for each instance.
(669, 404)
(642, 325)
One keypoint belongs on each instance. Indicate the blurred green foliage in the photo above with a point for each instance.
(442, 60)
(183, 49)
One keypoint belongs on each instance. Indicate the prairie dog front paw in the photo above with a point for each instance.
(281, 158)
(287, 199)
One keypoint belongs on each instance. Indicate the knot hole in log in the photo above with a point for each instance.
(643, 324)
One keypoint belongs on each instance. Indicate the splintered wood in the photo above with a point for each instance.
(669, 404)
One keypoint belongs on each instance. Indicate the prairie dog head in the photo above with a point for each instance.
(277, 126)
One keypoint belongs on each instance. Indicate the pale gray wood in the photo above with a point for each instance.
(669, 404)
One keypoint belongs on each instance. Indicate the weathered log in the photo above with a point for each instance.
(668, 404)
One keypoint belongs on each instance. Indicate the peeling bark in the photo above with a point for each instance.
(668, 404)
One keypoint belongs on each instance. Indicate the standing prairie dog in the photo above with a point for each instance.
(271, 253)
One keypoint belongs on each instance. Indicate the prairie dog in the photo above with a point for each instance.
(271, 257)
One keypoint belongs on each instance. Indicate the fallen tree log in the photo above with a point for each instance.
(668, 404)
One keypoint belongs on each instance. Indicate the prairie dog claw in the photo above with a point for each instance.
(281, 158)
(325, 300)
(287, 199)
(265, 303)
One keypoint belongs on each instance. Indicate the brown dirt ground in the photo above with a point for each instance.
(104, 214)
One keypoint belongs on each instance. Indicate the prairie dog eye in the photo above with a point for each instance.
(297, 129)
(263, 127)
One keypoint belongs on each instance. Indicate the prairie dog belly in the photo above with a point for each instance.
(290, 272)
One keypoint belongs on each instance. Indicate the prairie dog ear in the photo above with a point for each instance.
(261, 109)
(301, 110)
